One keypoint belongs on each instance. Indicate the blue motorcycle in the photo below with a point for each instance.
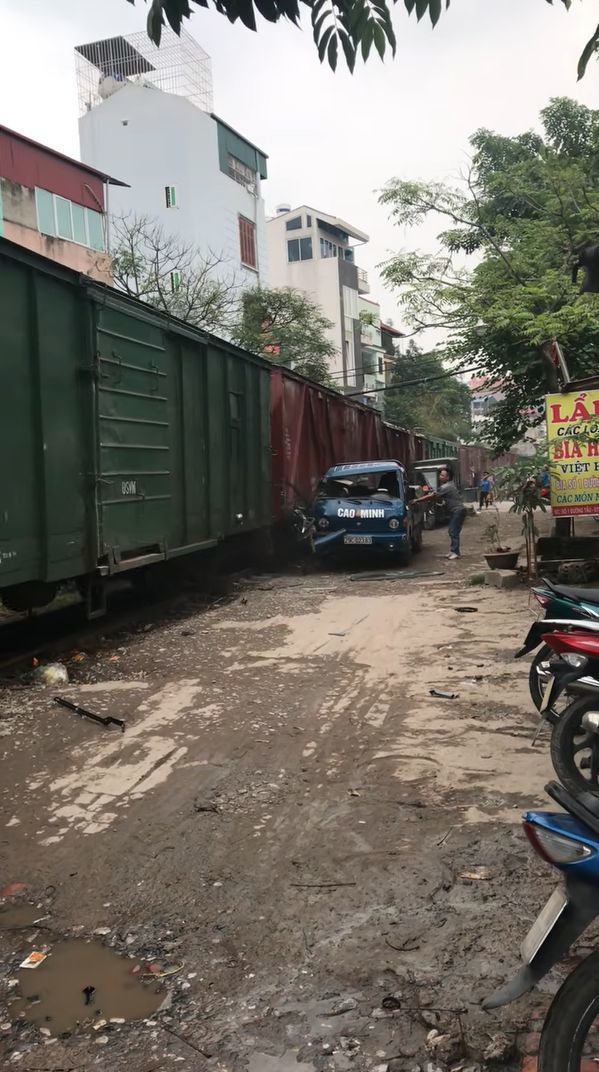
(570, 842)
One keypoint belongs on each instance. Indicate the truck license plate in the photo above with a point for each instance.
(543, 925)
(357, 539)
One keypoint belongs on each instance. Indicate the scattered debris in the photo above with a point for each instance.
(78, 657)
(478, 874)
(391, 1002)
(500, 1048)
(444, 695)
(354, 792)
(320, 885)
(13, 889)
(154, 971)
(33, 960)
(345, 1005)
(388, 575)
(206, 807)
(88, 993)
(104, 720)
(50, 674)
(466, 610)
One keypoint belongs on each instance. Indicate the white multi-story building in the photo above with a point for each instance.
(315, 253)
(150, 111)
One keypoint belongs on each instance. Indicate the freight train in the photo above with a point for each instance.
(129, 438)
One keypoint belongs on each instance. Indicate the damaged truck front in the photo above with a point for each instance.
(369, 506)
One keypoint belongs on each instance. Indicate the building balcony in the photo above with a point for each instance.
(363, 284)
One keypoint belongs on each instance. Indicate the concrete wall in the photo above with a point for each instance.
(19, 224)
(154, 139)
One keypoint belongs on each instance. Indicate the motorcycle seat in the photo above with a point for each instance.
(585, 806)
(579, 595)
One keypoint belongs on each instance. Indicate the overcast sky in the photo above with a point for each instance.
(332, 140)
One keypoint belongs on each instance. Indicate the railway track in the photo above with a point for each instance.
(55, 632)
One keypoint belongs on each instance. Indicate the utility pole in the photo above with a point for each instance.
(562, 526)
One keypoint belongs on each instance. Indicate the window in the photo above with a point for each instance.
(306, 249)
(95, 229)
(308, 221)
(170, 196)
(45, 212)
(240, 172)
(349, 255)
(294, 224)
(61, 218)
(64, 223)
(299, 249)
(247, 242)
(175, 281)
(327, 249)
(79, 229)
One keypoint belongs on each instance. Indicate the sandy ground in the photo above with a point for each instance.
(293, 817)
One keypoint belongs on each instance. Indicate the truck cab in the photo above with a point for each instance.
(367, 505)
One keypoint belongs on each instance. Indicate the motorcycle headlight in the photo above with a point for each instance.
(323, 523)
(393, 523)
(574, 660)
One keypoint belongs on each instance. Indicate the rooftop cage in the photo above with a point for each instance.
(179, 66)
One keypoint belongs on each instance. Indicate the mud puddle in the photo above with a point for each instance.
(17, 917)
(263, 1062)
(84, 983)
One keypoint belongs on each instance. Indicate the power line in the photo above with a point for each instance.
(410, 383)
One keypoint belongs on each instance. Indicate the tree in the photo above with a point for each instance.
(172, 275)
(287, 327)
(523, 211)
(355, 25)
(441, 407)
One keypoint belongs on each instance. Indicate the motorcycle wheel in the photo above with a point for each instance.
(569, 1038)
(575, 750)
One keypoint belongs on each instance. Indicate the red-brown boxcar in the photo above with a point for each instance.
(313, 428)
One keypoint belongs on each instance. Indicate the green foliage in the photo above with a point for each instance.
(287, 327)
(519, 483)
(525, 207)
(441, 407)
(350, 26)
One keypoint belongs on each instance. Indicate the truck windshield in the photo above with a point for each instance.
(365, 485)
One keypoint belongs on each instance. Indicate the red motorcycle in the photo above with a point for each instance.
(575, 734)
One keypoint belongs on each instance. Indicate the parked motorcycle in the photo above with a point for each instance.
(562, 605)
(570, 842)
(575, 732)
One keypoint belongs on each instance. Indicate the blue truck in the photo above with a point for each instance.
(368, 505)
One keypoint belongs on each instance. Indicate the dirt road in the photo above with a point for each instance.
(291, 816)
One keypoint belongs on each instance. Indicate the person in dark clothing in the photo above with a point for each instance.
(449, 494)
(485, 491)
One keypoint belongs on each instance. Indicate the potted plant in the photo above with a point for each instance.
(520, 483)
(498, 556)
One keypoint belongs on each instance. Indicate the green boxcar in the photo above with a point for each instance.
(126, 437)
